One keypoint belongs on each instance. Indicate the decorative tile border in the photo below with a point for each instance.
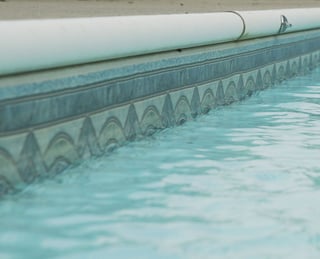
(53, 130)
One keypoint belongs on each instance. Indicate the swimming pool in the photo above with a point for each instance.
(240, 182)
(56, 118)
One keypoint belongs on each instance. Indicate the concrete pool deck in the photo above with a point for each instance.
(34, 9)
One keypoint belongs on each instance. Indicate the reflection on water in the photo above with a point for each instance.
(240, 182)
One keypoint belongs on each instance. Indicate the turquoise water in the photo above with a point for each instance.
(240, 182)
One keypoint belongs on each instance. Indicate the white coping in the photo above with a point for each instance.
(30, 45)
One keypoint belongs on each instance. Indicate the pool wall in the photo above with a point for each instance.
(59, 116)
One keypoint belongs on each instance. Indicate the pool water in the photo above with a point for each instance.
(240, 182)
